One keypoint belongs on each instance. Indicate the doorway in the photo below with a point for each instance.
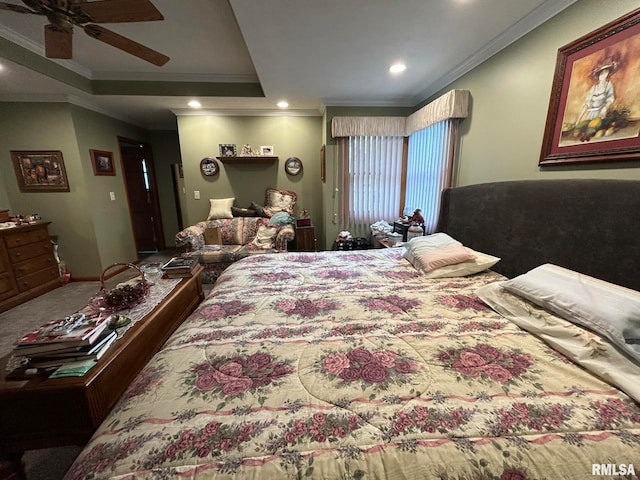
(142, 195)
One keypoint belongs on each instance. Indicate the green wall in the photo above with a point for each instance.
(298, 136)
(92, 230)
(502, 137)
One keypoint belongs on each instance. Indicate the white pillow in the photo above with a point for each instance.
(609, 310)
(264, 237)
(220, 208)
(443, 256)
(481, 263)
(429, 242)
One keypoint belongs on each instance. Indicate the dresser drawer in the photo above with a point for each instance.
(23, 238)
(35, 279)
(25, 252)
(7, 287)
(4, 259)
(33, 265)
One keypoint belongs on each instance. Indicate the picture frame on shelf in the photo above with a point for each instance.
(266, 150)
(102, 162)
(40, 170)
(228, 149)
(594, 109)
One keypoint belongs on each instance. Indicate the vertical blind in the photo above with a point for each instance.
(371, 181)
(429, 169)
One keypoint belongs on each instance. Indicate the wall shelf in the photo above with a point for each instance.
(247, 159)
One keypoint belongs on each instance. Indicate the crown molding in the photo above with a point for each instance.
(230, 112)
(526, 24)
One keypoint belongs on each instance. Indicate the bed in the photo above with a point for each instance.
(341, 365)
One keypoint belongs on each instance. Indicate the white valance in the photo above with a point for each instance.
(368, 126)
(453, 104)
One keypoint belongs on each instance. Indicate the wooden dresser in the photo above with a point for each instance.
(27, 265)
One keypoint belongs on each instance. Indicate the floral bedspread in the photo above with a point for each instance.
(341, 365)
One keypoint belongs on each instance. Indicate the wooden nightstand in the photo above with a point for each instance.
(305, 240)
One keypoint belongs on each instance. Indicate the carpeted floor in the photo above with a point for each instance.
(52, 464)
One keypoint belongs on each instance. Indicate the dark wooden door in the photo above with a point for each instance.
(142, 195)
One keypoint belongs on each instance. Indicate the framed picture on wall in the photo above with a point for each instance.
(266, 150)
(594, 110)
(40, 171)
(323, 163)
(102, 162)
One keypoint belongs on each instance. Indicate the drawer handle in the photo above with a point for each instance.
(18, 254)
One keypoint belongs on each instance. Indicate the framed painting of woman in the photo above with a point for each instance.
(594, 110)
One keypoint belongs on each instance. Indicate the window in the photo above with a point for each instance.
(429, 169)
(371, 181)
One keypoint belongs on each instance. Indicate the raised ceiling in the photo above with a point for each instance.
(242, 56)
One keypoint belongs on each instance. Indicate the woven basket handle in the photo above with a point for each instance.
(128, 265)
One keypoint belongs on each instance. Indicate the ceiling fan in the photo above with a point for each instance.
(63, 15)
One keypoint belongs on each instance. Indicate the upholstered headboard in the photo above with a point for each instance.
(590, 226)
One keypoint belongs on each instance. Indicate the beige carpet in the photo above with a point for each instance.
(52, 464)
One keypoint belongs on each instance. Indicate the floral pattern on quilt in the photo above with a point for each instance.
(350, 365)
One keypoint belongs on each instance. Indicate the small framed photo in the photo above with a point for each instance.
(102, 162)
(266, 150)
(228, 150)
(40, 171)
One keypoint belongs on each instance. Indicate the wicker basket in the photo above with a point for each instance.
(123, 296)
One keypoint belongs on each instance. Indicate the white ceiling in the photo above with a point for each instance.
(312, 53)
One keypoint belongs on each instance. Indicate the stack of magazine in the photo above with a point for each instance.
(64, 341)
(179, 267)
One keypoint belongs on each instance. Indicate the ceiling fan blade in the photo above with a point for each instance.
(116, 11)
(57, 42)
(123, 43)
(15, 8)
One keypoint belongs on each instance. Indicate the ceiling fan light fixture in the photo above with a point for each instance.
(397, 68)
(282, 104)
(194, 104)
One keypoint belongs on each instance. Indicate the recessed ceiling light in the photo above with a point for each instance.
(283, 104)
(194, 104)
(397, 68)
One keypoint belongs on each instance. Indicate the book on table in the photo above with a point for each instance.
(179, 265)
(107, 336)
(45, 361)
(72, 331)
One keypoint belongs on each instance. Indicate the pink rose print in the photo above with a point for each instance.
(307, 308)
(335, 363)
(236, 386)
(369, 367)
(374, 373)
(385, 358)
(232, 369)
(234, 376)
(206, 381)
(497, 373)
(486, 362)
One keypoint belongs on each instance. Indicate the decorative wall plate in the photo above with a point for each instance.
(293, 166)
(209, 166)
